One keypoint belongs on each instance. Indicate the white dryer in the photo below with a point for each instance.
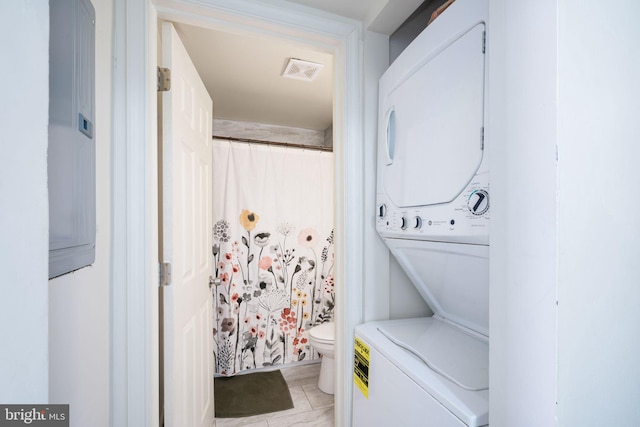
(433, 214)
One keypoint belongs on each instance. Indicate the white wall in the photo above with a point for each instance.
(388, 292)
(598, 205)
(375, 299)
(564, 74)
(405, 302)
(24, 222)
(79, 302)
(522, 134)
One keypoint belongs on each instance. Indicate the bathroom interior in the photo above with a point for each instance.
(272, 236)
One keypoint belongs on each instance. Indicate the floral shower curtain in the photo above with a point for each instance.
(273, 249)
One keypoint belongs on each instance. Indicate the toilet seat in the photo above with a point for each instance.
(323, 333)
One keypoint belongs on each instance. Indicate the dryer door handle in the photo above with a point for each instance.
(390, 135)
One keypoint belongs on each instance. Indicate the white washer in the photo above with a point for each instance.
(433, 371)
(433, 214)
(404, 391)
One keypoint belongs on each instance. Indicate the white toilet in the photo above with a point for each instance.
(322, 338)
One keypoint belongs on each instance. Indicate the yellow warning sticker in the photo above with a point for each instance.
(361, 367)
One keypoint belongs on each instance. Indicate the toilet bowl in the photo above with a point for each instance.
(322, 338)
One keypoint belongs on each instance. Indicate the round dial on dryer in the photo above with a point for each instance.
(382, 211)
(478, 202)
(403, 223)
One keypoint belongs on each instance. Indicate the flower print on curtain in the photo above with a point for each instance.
(273, 249)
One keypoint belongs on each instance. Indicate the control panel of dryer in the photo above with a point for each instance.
(465, 220)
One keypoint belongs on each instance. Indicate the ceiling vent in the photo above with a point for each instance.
(302, 70)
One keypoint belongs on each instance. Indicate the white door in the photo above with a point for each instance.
(186, 240)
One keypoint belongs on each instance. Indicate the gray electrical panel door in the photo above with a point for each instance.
(71, 156)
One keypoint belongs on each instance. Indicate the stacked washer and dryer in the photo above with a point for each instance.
(433, 214)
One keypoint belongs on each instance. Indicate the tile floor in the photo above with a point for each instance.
(311, 407)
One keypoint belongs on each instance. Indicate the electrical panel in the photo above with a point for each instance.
(71, 154)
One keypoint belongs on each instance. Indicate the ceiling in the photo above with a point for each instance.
(381, 16)
(243, 72)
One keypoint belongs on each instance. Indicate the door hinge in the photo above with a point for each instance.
(164, 79)
(484, 41)
(165, 274)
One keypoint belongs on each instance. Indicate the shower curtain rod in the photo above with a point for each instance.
(281, 144)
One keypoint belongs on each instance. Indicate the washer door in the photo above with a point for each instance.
(432, 125)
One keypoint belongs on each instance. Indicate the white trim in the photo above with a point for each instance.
(132, 281)
(348, 126)
(133, 236)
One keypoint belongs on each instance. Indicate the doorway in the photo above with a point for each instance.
(284, 185)
(343, 39)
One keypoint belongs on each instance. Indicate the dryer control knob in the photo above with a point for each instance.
(382, 211)
(417, 223)
(478, 202)
(403, 224)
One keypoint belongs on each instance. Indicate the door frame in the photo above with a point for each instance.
(134, 297)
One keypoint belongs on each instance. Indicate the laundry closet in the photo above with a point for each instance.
(433, 213)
